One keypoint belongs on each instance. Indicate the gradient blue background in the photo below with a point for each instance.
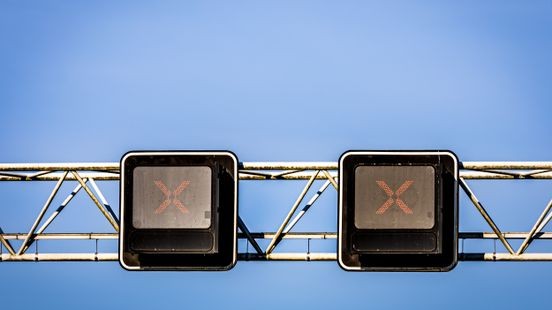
(274, 81)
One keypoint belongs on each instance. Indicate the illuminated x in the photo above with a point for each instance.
(394, 197)
(168, 194)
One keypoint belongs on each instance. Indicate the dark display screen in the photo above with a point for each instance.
(394, 197)
(172, 197)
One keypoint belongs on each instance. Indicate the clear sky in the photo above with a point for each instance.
(274, 81)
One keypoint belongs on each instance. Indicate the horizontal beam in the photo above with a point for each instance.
(288, 256)
(54, 176)
(506, 257)
(302, 175)
(289, 166)
(506, 165)
(60, 257)
(59, 166)
(293, 235)
(65, 236)
(507, 235)
(114, 236)
(505, 175)
(263, 235)
(81, 257)
(110, 166)
(116, 166)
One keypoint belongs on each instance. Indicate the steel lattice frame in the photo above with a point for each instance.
(86, 175)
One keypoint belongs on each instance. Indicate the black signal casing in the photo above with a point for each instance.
(398, 211)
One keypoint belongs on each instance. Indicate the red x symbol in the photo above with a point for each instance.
(168, 201)
(390, 201)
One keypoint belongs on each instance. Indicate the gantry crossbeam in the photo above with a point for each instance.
(85, 175)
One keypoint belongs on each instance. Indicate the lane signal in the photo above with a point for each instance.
(179, 210)
(398, 211)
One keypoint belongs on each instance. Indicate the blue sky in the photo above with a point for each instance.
(274, 81)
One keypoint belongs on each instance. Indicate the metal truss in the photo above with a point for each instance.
(85, 175)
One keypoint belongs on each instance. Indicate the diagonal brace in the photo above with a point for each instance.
(111, 220)
(60, 208)
(6, 243)
(25, 244)
(250, 238)
(536, 228)
(485, 215)
(290, 213)
(103, 200)
(331, 179)
(306, 207)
